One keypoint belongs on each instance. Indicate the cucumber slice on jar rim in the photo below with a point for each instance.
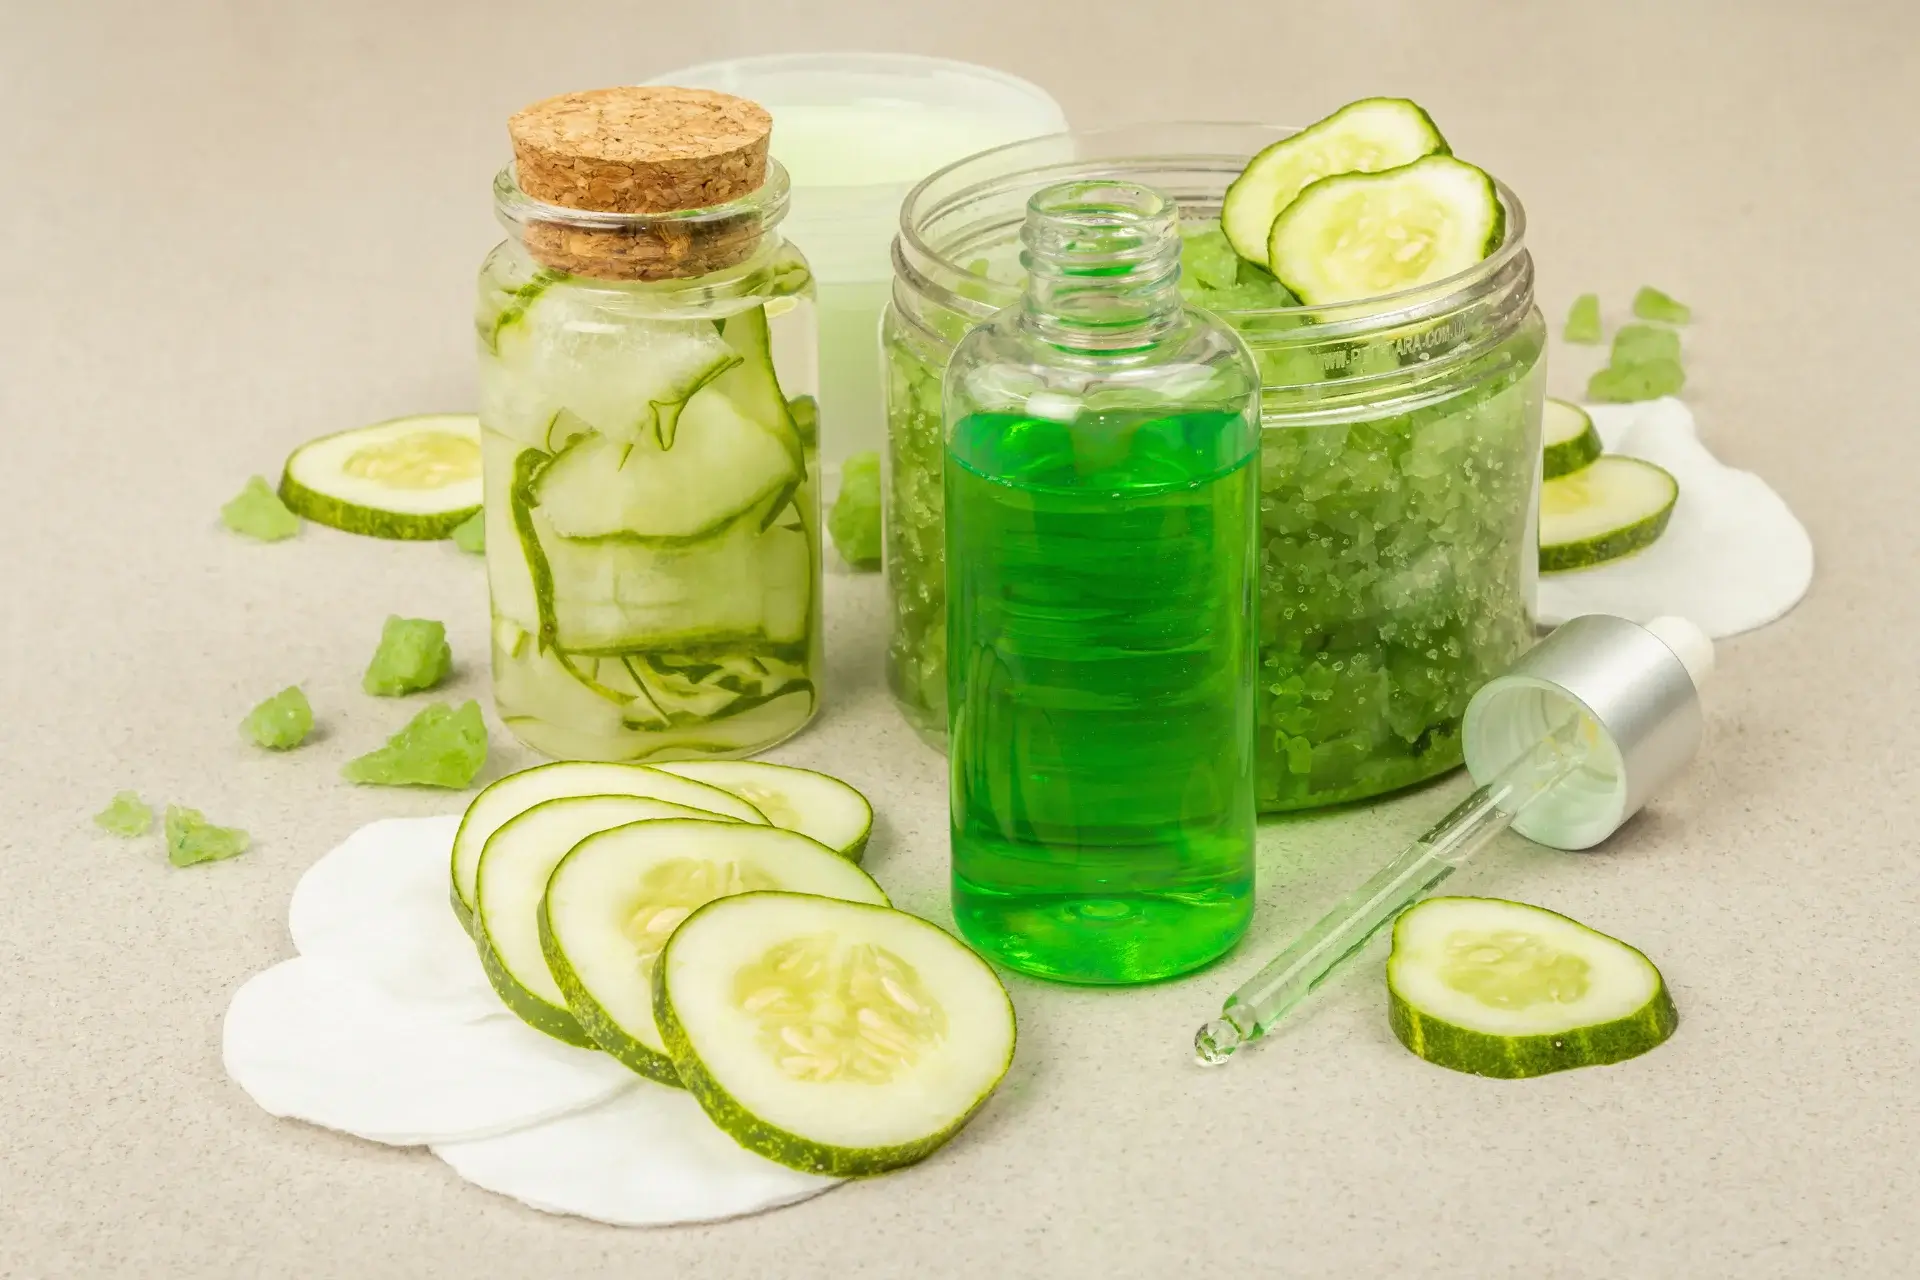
(1498, 988)
(1568, 440)
(828, 1036)
(511, 875)
(1361, 137)
(517, 792)
(1362, 235)
(615, 897)
(415, 479)
(1608, 509)
(815, 805)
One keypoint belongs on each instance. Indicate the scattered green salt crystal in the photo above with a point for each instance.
(855, 519)
(471, 534)
(1583, 320)
(1647, 380)
(413, 655)
(257, 512)
(125, 815)
(440, 747)
(1639, 343)
(191, 838)
(1208, 257)
(282, 722)
(1651, 304)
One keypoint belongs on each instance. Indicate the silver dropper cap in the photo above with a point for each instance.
(1637, 692)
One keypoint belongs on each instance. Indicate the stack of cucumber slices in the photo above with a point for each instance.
(707, 925)
(1366, 202)
(1595, 506)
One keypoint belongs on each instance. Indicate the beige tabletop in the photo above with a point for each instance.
(228, 226)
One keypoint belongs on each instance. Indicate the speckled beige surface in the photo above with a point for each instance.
(169, 326)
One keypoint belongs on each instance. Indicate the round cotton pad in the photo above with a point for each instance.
(1732, 558)
(313, 1040)
(649, 1157)
(377, 904)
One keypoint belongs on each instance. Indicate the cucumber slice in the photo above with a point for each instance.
(1568, 441)
(831, 1037)
(514, 866)
(600, 353)
(1361, 137)
(1608, 509)
(813, 804)
(752, 385)
(414, 478)
(1502, 989)
(722, 466)
(614, 899)
(517, 792)
(751, 724)
(1361, 235)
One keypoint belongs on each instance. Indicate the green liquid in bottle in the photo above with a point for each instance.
(1101, 683)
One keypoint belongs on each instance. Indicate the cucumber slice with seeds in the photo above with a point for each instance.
(1568, 441)
(518, 792)
(830, 1037)
(1498, 988)
(514, 866)
(813, 804)
(1362, 235)
(1361, 137)
(614, 899)
(1610, 508)
(414, 479)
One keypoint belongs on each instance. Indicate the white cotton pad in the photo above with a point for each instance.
(647, 1158)
(313, 1040)
(378, 904)
(1733, 557)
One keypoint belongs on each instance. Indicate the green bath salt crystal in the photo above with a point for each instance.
(126, 815)
(413, 655)
(854, 522)
(471, 535)
(1648, 380)
(1651, 304)
(1583, 320)
(1639, 343)
(191, 838)
(257, 512)
(1207, 258)
(282, 722)
(440, 747)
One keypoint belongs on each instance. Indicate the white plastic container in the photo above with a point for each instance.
(856, 131)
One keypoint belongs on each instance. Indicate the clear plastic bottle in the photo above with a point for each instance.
(647, 375)
(1102, 443)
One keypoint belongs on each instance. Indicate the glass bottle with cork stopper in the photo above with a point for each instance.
(647, 381)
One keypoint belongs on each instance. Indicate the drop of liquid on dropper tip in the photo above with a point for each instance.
(1214, 1043)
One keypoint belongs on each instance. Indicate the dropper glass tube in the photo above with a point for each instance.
(1263, 1001)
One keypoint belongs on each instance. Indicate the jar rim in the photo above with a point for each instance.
(984, 295)
(515, 208)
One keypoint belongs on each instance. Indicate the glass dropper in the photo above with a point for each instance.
(1263, 1001)
(1606, 704)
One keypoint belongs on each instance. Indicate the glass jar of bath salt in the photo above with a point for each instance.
(647, 368)
(1399, 461)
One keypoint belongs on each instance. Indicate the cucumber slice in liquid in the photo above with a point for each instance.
(1361, 137)
(415, 478)
(813, 804)
(615, 898)
(1568, 440)
(514, 865)
(1499, 988)
(1362, 235)
(517, 792)
(1610, 508)
(831, 1037)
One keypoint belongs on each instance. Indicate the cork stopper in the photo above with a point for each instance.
(638, 150)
